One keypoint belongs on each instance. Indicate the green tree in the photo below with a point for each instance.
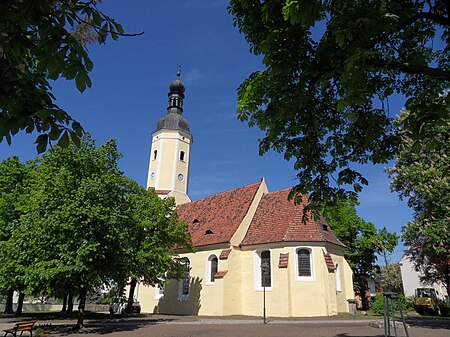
(41, 41)
(363, 242)
(390, 278)
(422, 176)
(157, 231)
(330, 69)
(12, 176)
(84, 224)
(71, 227)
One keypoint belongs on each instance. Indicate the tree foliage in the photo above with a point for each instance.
(362, 240)
(422, 176)
(41, 41)
(83, 224)
(390, 278)
(12, 176)
(330, 69)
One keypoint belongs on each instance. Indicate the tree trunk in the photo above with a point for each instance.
(64, 306)
(70, 303)
(133, 283)
(20, 303)
(361, 286)
(364, 302)
(9, 302)
(447, 278)
(81, 306)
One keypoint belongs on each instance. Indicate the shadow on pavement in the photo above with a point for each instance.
(101, 328)
(352, 335)
(430, 323)
(96, 323)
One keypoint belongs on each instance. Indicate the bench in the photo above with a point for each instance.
(21, 327)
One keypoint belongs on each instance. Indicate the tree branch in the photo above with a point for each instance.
(415, 69)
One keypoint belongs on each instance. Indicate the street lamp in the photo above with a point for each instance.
(265, 270)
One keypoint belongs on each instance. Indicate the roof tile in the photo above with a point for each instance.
(284, 259)
(220, 274)
(224, 254)
(278, 219)
(329, 261)
(214, 219)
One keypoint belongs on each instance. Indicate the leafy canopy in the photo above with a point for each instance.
(422, 176)
(74, 222)
(362, 240)
(330, 69)
(12, 177)
(41, 41)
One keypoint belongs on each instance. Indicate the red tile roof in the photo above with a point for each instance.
(162, 191)
(329, 261)
(220, 274)
(224, 254)
(278, 219)
(215, 219)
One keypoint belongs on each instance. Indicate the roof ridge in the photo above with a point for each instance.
(227, 191)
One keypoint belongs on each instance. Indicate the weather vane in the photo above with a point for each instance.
(179, 71)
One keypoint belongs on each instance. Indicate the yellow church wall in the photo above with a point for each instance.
(237, 294)
(146, 297)
(205, 298)
(345, 275)
(232, 300)
(289, 296)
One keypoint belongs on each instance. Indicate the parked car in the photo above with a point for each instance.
(120, 304)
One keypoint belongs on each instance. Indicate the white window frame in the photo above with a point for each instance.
(311, 261)
(257, 270)
(158, 293)
(208, 269)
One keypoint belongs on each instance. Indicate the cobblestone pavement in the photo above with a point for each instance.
(175, 326)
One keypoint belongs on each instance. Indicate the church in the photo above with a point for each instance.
(253, 253)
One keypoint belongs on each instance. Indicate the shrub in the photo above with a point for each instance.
(378, 304)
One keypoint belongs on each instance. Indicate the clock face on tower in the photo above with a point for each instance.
(152, 176)
(180, 177)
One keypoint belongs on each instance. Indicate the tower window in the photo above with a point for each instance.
(182, 155)
(155, 154)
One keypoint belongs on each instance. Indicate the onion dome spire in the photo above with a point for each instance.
(174, 119)
(176, 94)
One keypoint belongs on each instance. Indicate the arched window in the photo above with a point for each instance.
(155, 154)
(304, 265)
(338, 277)
(182, 154)
(212, 268)
(266, 277)
(187, 278)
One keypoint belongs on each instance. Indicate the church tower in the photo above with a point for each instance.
(168, 171)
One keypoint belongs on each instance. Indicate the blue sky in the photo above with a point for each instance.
(129, 94)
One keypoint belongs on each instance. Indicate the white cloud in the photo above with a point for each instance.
(193, 76)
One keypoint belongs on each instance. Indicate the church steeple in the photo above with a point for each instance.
(176, 94)
(174, 119)
(170, 153)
